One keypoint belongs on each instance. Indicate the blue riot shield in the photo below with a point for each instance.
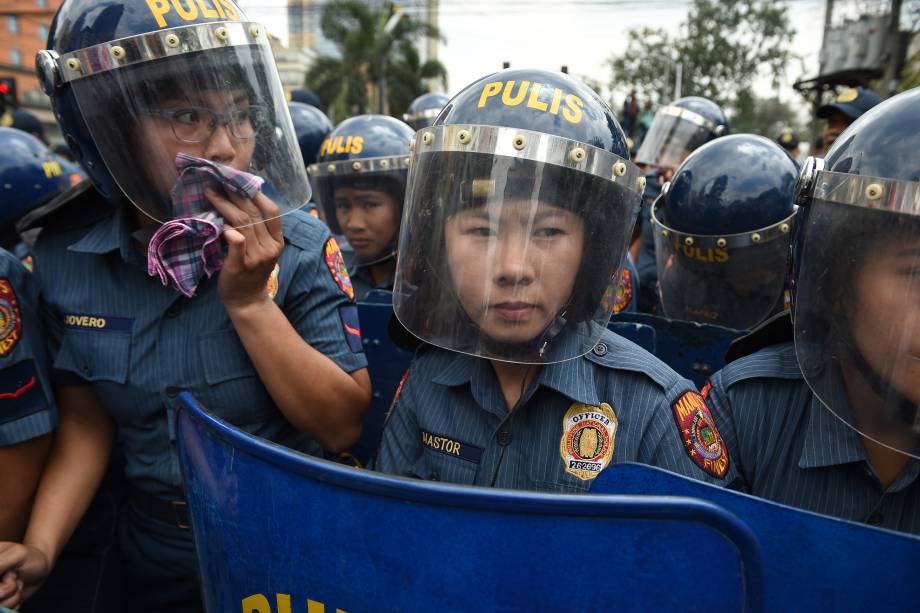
(386, 365)
(692, 349)
(280, 532)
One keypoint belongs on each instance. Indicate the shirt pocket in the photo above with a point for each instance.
(436, 466)
(97, 357)
(234, 391)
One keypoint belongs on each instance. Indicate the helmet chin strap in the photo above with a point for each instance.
(903, 408)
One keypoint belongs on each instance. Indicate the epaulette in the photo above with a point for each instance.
(776, 361)
(303, 230)
(618, 353)
(79, 206)
(775, 330)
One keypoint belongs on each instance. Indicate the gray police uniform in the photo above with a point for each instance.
(27, 408)
(450, 421)
(789, 448)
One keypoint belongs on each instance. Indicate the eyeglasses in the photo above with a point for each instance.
(195, 124)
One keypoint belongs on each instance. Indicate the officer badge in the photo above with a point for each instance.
(272, 286)
(588, 438)
(336, 265)
(702, 440)
(10, 318)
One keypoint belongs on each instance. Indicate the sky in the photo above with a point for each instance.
(583, 35)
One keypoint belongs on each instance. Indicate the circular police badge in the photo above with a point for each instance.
(336, 265)
(272, 286)
(10, 319)
(588, 439)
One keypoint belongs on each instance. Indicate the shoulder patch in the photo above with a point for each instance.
(702, 440)
(21, 392)
(348, 314)
(588, 439)
(336, 265)
(10, 318)
(620, 293)
(272, 285)
(399, 389)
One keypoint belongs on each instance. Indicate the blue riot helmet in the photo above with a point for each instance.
(856, 275)
(307, 96)
(27, 122)
(311, 127)
(678, 129)
(30, 175)
(360, 174)
(519, 211)
(424, 109)
(133, 83)
(722, 230)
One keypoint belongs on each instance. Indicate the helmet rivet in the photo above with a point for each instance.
(784, 228)
(254, 31)
(118, 52)
(874, 191)
(384, 163)
(427, 138)
(722, 242)
(221, 33)
(74, 64)
(172, 40)
(356, 166)
(577, 155)
(519, 142)
(407, 162)
(411, 145)
(619, 169)
(330, 168)
(755, 237)
(464, 137)
(688, 241)
(664, 233)
(640, 183)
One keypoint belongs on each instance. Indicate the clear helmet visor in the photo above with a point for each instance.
(857, 305)
(509, 242)
(674, 134)
(209, 91)
(735, 281)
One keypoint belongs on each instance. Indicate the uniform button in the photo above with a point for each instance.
(875, 519)
(434, 477)
(173, 310)
(172, 391)
(87, 371)
(600, 349)
(504, 438)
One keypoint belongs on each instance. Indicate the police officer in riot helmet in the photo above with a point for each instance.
(846, 108)
(360, 183)
(188, 267)
(677, 129)
(519, 211)
(844, 395)
(424, 109)
(722, 227)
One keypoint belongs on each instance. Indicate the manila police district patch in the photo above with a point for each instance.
(336, 265)
(702, 440)
(10, 317)
(588, 438)
(272, 286)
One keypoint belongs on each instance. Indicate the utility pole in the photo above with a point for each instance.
(890, 77)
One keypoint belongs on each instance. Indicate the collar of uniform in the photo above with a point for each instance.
(828, 440)
(106, 235)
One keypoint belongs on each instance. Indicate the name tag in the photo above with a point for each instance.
(452, 447)
(99, 323)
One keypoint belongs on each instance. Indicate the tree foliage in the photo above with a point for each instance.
(766, 116)
(723, 47)
(349, 83)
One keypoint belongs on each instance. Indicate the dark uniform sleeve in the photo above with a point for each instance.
(401, 446)
(27, 408)
(720, 406)
(317, 301)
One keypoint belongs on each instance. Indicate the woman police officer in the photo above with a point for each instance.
(519, 210)
(169, 112)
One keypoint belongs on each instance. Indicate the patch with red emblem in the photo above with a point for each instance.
(336, 265)
(702, 440)
(399, 389)
(10, 317)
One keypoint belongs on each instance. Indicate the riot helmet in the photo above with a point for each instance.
(678, 129)
(311, 127)
(134, 83)
(424, 109)
(519, 210)
(856, 275)
(722, 230)
(360, 183)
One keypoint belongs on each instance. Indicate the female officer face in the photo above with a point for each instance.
(513, 265)
(369, 218)
(886, 326)
(216, 125)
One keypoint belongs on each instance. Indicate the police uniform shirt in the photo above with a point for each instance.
(27, 408)
(139, 343)
(450, 421)
(361, 277)
(791, 449)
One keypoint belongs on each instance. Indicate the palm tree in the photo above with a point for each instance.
(371, 43)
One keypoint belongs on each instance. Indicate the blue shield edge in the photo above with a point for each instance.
(280, 532)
